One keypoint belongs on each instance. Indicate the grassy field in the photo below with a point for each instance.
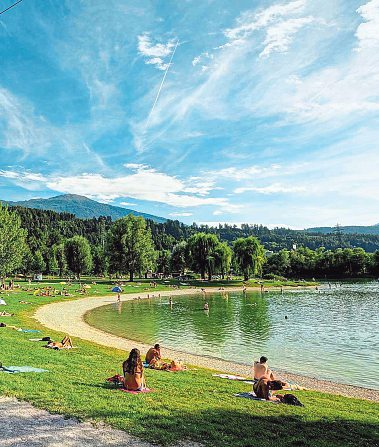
(187, 405)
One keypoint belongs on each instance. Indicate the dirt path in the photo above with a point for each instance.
(67, 317)
(21, 425)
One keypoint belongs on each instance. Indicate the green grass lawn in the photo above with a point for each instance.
(187, 405)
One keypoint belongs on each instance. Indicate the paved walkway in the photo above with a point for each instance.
(67, 317)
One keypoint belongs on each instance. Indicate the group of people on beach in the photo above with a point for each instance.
(133, 367)
(265, 383)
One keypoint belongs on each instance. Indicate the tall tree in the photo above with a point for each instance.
(12, 241)
(38, 265)
(78, 255)
(250, 256)
(201, 253)
(100, 260)
(60, 256)
(178, 260)
(130, 246)
(163, 261)
(223, 258)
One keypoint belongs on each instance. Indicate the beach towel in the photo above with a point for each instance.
(2, 302)
(232, 377)
(291, 386)
(28, 330)
(118, 381)
(252, 396)
(21, 369)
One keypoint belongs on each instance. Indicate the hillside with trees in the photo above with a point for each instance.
(35, 241)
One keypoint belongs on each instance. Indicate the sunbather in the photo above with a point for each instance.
(66, 343)
(262, 370)
(264, 388)
(153, 353)
(134, 379)
(6, 314)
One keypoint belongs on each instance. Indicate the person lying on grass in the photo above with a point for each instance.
(265, 388)
(173, 366)
(134, 378)
(66, 343)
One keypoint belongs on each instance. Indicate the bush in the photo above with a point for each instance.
(274, 277)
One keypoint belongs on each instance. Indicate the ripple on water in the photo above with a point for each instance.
(330, 334)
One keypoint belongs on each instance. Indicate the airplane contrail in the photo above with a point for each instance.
(160, 87)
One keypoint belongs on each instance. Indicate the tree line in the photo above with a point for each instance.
(36, 241)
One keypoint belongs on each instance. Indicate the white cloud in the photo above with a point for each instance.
(251, 21)
(367, 32)
(275, 188)
(245, 173)
(143, 184)
(127, 204)
(280, 36)
(155, 53)
(180, 214)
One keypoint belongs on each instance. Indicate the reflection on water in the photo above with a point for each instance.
(331, 333)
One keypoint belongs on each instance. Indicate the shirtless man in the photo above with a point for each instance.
(153, 354)
(261, 369)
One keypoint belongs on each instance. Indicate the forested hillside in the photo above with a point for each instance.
(51, 242)
(46, 228)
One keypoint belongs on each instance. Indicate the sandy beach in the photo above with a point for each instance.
(68, 317)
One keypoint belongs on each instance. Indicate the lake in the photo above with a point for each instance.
(330, 333)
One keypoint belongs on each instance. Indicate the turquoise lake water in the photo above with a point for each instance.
(332, 333)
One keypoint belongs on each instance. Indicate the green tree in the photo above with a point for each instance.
(51, 264)
(39, 265)
(249, 255)
(78, 255)
(163, 262)
(130, 246)
(100, 261)
(201, 250)
(12, 242)
(223, 258)
(27, 262)
(178, 261)
(60, 256)
(278, 263)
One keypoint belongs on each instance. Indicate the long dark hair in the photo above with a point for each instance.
(133, 362)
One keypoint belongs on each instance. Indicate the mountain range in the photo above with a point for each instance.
(82, 207)
(86, 208)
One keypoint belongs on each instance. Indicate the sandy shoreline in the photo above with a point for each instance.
(68, 317)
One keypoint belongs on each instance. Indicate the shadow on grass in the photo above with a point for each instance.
(235, 428)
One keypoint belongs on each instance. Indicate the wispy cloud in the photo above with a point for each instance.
(275, 188)
(180, 214)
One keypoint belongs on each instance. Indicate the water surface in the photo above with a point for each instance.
(329, 334)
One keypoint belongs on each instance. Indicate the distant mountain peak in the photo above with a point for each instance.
(83, 207)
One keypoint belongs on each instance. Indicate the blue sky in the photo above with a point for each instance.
(268, 112)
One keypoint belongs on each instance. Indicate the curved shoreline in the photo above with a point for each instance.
(68, 317)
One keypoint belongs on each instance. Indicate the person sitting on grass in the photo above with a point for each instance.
(153, 354)
(66, 343)
(134, 379)
(261, 369)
